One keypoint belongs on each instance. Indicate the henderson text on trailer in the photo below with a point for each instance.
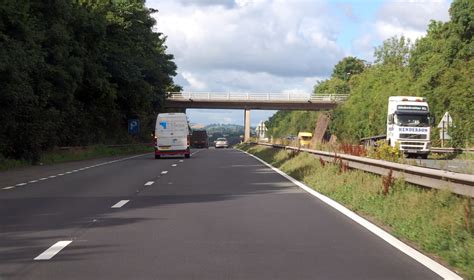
(408, 125)
(172, 135)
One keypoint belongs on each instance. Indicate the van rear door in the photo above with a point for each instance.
(172, 132)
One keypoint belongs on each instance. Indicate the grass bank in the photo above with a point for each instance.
(77, 153)
(436, 222)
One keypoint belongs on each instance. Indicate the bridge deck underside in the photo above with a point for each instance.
(307, 106)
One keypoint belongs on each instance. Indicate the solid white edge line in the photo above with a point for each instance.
(414, 254)
(53, 250)
(149, 183)
(120, 203)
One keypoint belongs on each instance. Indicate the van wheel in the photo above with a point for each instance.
(187, 155)
(157, 156)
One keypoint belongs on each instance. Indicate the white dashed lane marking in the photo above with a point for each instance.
(174, 165)
(53, 250)
(70, 172)
(149, 183)
(164, 172)
(120, 203)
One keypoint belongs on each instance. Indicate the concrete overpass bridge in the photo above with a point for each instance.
(252, 101)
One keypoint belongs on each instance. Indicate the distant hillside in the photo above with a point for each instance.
(197, 126)
(225, 128)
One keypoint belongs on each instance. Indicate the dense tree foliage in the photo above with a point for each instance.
(348, 66)
(439, 66)
(73, 72)
(286, 123)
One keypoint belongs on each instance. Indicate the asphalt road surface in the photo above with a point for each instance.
(219, 215)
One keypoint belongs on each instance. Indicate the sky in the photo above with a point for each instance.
(278, 45)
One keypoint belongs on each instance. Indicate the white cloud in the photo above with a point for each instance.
(277, 45)
(409, 18)
(413, 16)
(193, 82)
(279, 37)
(242, 81)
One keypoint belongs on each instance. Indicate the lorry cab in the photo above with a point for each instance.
(408, 124)
(172, 135)
(304, 139)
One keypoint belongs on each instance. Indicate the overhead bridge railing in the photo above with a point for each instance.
(462, 184)
(255, 97)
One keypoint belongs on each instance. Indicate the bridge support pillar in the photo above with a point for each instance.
(247, 125)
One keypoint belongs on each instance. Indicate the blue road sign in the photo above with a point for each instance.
(134, 126)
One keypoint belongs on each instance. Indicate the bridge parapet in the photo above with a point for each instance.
(255, 97)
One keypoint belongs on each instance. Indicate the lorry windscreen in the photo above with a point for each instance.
(412, 119)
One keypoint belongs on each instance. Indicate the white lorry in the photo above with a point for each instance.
(172, 135)
(408, 124)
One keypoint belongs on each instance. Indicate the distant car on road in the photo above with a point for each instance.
(222, 143)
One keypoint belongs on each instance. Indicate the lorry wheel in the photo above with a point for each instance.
(187, 155)
(157, 156)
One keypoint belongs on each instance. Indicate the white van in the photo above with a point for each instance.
(172, 135)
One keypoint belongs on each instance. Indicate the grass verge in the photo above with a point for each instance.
(77, 153)
(436, 222)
